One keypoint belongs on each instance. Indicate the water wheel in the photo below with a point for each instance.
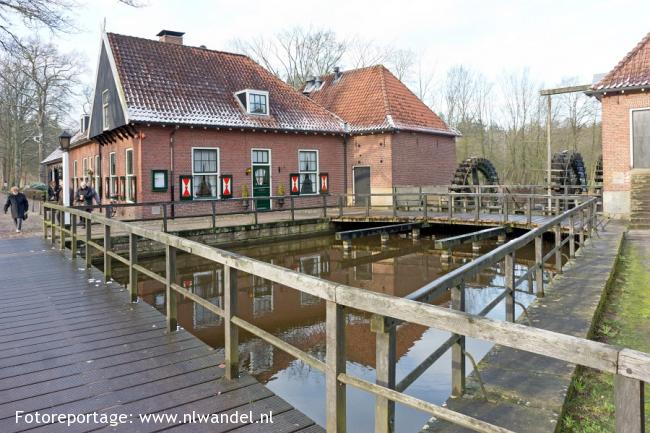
(475, 171)
(598, 175)
(568, 173)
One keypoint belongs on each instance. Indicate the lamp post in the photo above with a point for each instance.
(64, 143)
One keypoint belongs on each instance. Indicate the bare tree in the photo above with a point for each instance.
(296, 54)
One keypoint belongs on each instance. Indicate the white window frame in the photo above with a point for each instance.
(84, 169)
(317, 182)
(127, 176)
(217, 174)
(112, 174)
(250, 92)
(75, 183)
(105, 107)
(270, 173)
(97, 173)
(632, 110)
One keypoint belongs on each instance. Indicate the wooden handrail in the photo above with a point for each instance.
(630, 367)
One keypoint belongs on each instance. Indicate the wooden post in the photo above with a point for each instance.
(394, 204)
(324, 206)
(529, 210)
(73, 235)
(629, 402)
(425, 198)
(231, 344)
(254, 211)
(458, 349)
(450, 206)
(213, 204)
(557, 206)
(293, 209)
(45, 223)
(170, 293)
(341, 198)
(88, 238)
(539, 272)
(61, 228)
(510, 286)
(368, 206)
(335, 365)
(133, 273)
(107, 248)
(386, 354)
(53, 215)
(581, 235)
(558, 249)
(572, 236)
(164, 221)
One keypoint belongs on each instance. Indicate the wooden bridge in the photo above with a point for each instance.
(73, 343)
(631, 368)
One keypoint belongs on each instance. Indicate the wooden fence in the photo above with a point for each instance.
(631, 368)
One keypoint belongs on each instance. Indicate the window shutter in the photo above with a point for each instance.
(294, 184)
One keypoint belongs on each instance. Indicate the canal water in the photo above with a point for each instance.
(398, 268)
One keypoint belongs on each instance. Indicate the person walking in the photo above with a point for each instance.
(53, 191)
(85, 195)
(19, 206)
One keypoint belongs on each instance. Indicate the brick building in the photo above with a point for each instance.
(171, 122)
(625, 96)
(394, 138)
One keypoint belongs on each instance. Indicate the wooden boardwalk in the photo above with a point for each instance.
(71, 344)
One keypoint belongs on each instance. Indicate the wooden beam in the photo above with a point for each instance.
(561, 90)
(453, 241)
(370, 231)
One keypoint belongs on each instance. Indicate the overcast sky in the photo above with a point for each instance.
(554, 39)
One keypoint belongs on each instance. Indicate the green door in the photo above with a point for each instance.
(262, 178)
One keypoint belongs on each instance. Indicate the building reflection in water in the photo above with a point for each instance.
(298, 318)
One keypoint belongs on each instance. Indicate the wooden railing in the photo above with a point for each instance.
(631, 368)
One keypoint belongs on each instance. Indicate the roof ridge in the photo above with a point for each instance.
(624, 60)
(179, 45)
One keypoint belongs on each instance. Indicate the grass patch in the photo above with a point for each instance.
(625, 322)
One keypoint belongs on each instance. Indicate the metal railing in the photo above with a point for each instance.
(631, 368)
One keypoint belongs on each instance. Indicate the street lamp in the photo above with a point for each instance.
(64, 143)
(64, 140)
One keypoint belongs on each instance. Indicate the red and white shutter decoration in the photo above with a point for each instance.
(186, 187)
(324, 183)
(226, 186)
(294, 184)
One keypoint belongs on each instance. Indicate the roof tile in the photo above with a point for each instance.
(171, 83)
(373, 99)
(632, 71)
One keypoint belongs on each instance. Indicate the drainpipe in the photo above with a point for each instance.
(171, 167)
(346, 135)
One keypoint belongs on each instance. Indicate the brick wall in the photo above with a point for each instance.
(423, 159)
(616, 148)
(374, 151)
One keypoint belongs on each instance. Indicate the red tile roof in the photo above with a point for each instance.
(170, 83)
(632, 71)
(373, 99)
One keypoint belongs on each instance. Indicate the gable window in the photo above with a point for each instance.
(205, 172)
(130, 178)
(112, 171)
(106, 101)
(308, 171)
(254, 101)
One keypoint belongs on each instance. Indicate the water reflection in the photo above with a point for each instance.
(397, 268)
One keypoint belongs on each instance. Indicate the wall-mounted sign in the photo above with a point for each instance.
(294, 184)
(186, 187)
(159, 180)
(226, 186)
(324, 183)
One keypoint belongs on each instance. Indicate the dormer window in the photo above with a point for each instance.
(254, 101)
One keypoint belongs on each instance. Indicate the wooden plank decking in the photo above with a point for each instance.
(69, 343)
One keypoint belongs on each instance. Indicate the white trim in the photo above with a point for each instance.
(116, 78)
(218, 173)
(126, 175)
(632, 110)
(248, 102)
(317, 191)
(106, 105)
(270, 174)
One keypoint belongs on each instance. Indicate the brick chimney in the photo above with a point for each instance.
(171, 37)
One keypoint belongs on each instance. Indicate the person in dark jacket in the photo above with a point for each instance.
(19, 206)
(53, 191)
(85, 196)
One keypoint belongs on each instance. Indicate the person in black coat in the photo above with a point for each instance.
(19, 206)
